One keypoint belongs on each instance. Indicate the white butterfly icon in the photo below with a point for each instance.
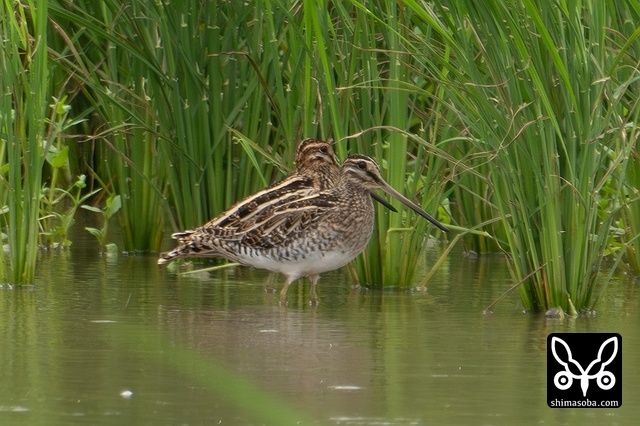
(564, 379)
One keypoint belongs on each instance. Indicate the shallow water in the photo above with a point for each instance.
(102, 340)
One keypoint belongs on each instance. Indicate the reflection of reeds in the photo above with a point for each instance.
(24, 92)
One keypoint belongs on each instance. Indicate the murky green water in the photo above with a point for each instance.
(122, 341)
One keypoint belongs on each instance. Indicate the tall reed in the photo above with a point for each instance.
(106, 48)
(24, 89)
(533, 87)
(173, 79)
(629, 97)
(631, 201)
(517, 112)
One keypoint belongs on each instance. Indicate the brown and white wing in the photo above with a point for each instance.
(288, 222)
(244, 214)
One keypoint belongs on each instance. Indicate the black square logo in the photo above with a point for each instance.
(584, 370)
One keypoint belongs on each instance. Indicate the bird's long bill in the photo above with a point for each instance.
(407, 202)
(382, 201)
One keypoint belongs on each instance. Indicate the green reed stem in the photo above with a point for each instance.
(25, 87)
(533, 92)
(389, 125)
(521, 115)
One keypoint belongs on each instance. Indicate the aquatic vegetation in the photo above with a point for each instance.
(545, 103)
(209, 95)
(24, 95)
(515, 122)
(112, 206)
(57, 212)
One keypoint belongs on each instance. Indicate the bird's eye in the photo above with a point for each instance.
(362, 165)
(324, 149)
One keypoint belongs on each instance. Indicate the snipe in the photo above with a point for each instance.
(305, 236)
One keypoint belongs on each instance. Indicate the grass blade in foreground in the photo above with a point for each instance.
(256, 403)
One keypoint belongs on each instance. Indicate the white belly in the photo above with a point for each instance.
(311, 264)
(309, 254)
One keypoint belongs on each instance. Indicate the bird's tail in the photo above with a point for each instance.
(181, 251)
(169, 256)
(188, 248)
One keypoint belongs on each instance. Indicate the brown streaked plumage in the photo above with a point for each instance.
(305, 236)
(317, 168)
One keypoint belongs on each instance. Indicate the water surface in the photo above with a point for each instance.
(101, 340)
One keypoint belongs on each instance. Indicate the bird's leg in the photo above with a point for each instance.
(314, 296)
(268, 287)
(283, 292)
